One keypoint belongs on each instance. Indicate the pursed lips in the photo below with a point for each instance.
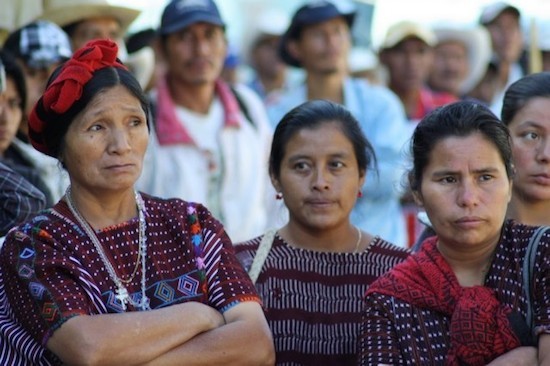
(469, 220)
(542, 178)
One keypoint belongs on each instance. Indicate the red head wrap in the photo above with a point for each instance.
(66, 88)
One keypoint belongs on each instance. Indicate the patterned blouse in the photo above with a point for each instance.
(397, 333)
(313, 300)
(50, 271)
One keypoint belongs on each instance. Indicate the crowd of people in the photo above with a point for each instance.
(159, 206)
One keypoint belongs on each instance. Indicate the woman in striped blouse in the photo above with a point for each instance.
(313, 272)
(466, 296)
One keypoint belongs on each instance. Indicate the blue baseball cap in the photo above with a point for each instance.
(180, 14)
(309, 14)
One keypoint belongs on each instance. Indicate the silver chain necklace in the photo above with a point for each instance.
(121, 292)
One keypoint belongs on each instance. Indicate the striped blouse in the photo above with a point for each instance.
(395, 332)
(50, 272)
(313, 300)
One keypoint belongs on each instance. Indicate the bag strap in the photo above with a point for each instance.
(528, 269)
(261, 255)
(242, 106)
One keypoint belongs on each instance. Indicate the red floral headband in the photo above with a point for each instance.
(66, 89)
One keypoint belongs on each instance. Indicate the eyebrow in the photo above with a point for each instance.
(531, 123)
(442, 173)
(304, 156)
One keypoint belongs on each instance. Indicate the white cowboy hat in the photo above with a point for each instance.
(478, 46)
(65, 12)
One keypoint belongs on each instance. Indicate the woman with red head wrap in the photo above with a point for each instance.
(110, 275)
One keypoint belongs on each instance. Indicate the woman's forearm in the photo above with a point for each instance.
(131, 338)
(244, 340)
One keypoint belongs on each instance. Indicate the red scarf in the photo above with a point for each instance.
(480, 329)
(168, 127)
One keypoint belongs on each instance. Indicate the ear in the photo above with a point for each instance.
(362, 178)
(275, 182)
(418, 199)
(294, 49)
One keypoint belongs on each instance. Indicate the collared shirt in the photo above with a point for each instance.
(428, 101)
(382, 119)
(20, 199)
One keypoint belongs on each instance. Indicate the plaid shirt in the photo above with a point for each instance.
(20, 199)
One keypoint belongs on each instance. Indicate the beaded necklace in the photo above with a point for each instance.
(121, 292)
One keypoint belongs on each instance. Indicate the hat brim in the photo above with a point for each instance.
(294, 31)
(492, 12)
(66, 15)
(197, 17)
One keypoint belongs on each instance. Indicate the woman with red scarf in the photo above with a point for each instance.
(461, 299)
(110, 275)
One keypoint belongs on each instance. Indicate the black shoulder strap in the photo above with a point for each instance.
(528, 269)
(242, 106)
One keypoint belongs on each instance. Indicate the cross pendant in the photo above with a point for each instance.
(122, 296)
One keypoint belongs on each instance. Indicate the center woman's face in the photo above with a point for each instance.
(319, 177)
(106, 142)
(465, 191)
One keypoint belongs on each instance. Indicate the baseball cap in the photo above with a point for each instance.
(39, 44)
(492, 11)
(407, 29)
(179, 14)
(308, 14)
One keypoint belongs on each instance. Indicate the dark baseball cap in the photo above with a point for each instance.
(179, 14)
(309, 14)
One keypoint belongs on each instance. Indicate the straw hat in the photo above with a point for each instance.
(402, 30)
(65, 12)
(478, 46)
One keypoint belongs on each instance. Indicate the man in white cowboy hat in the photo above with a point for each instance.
(318, 40)
(209, 142)
(461, 57)
(84, 20)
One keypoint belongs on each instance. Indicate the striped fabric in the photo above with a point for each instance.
(313, 300)
(20, 199)
(395, 332)
(50, 271)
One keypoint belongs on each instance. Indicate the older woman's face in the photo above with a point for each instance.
(465, 191)
(105, 144)
(530, 131)
(11, 114)
(319, 185)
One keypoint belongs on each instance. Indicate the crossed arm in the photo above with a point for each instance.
(190, 332)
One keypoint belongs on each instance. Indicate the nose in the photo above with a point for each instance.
(543, 152)
(120, 142)
(320, 179)
(468, 195)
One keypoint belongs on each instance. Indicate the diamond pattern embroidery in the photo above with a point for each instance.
(164, 292)
(188, 285)
(36, 290)
(49, 311)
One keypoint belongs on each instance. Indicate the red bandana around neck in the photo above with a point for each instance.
(170, 130)
(426, 280)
